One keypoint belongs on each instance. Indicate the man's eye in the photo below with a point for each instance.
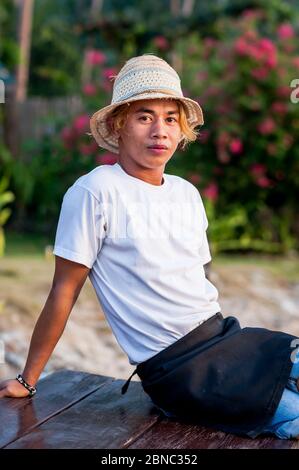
(145, 118)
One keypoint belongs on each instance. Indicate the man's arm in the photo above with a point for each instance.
(69, 277)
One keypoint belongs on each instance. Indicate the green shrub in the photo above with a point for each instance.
(5, 198)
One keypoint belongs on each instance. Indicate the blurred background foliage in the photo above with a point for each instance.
(236, 58)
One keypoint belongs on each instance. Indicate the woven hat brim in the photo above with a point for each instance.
(102, 133)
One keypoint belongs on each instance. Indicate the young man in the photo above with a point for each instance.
(140, 236)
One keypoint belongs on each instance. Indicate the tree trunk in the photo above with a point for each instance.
(25, 44)
(175, 59)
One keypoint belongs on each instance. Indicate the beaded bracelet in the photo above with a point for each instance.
(30, 388)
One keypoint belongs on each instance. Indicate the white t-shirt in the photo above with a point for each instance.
(146, 246)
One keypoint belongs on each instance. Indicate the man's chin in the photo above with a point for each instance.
(156, 160)
(154, 164)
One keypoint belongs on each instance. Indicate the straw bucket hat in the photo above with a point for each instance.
(142, 78)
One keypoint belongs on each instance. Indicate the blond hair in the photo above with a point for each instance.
(118, 116)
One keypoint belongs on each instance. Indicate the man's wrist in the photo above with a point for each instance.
(29, 378)
(31, 389)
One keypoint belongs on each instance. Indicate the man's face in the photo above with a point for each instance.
(151, 133)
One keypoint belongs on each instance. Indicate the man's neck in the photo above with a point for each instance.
(151, 176)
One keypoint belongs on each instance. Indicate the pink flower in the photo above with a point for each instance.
(107, 158)
(84, 149)
(204, 136)
(288, 140)
(67, 133)
(250, 34)
(211, 191)
(267, 45)
(241, 46)
(212, 91)
(285, 31)
(209, 42)
(262, 51)
(263, 182)
(89, 89)
(68, 137)
(95, 57)
(267, 126)
(222, 142)
(161, 42)
(257, 169)
(236, 146)
(223, 156)
(260, 73)
(194, 178)
(109, 73)
(208, 45)
(283, 91)
(271, 61)
(81, 123)
(296, 62)
(223, 138)
(256, 53)
(279, 107)
(202, 75)
(88, 149)
(107, 86)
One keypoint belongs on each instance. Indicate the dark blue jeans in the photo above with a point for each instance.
(285, 422)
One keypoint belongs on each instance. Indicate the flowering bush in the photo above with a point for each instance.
(246, 160)
(96, 93)
(247, 157)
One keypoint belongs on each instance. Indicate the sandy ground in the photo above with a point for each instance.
(253, 294)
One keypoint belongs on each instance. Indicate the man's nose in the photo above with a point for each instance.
(159, 129)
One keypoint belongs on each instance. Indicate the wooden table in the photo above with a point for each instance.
(78, 410)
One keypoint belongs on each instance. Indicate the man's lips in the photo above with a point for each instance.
(161, 147)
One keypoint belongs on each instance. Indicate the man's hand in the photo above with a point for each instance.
(13, 389)
(68, 280)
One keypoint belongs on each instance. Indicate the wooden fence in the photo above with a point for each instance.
(35, 117)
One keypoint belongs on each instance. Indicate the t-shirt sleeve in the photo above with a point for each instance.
(81, 227)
